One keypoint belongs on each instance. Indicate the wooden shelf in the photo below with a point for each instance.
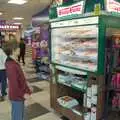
(69, 113)
(114, 109)
(72, 87)
(114, 89)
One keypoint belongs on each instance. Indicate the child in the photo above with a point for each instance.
(17, 86)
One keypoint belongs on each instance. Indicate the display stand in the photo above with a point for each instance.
(84, 58)
(41, 22)
(41, 53)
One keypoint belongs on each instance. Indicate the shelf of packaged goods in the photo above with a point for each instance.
(114, 89)
(116, 46)
(114, 109)
(79, 89)
(73, 71)
(70, 113)
(75, 47)
(76, 67)
(72, 87)
(80, 58)
(89, 67)
(65, 84)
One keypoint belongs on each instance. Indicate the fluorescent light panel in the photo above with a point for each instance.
(1, 13)
(17, 23)
(18, 18)
(18, 2)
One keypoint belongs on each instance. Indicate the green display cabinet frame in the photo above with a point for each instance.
(105, 21)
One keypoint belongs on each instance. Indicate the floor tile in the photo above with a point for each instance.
(35, 110)
(64, 118)
(48, 116)
(32, 80)
(30, 72)
(36, 89)
(5, 116)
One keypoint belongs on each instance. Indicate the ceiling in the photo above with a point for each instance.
(26, 11)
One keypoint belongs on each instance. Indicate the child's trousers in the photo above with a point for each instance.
(17, 110)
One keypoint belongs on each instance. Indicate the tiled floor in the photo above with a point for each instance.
(38, 106)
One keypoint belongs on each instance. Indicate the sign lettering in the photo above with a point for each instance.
(113, 6)
(73, 9)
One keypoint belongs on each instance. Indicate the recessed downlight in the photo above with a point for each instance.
(18, 18)
(1, 13)
(17, 23)
(18, 2)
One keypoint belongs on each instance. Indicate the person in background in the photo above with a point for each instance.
(17, 85)
(22, 47)
(3, 79)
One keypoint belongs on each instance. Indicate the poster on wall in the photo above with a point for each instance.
(44, 40)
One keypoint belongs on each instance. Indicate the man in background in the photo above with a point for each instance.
(22, 47)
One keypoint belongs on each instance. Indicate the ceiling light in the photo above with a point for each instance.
(18, 2)
(18, 18)
(1, 13)
(17, 23)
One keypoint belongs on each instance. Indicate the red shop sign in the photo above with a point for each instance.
(70, 10)
(113, 6)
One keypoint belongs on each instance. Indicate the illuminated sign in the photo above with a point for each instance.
(70, 10)
(113, 6)
(9, 27)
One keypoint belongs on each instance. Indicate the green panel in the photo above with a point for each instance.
(111, 21)
(89, 7)
(105, 22)
(52, 13)
(101, 47)
(54, 74)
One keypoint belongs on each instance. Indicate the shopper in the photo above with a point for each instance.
(3, 79)
(22, 47)
(17, 85)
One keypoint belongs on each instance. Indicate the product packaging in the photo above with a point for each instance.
(87, 116)
(89, 102)
(89, 91)
(93, 113)
(94, 90)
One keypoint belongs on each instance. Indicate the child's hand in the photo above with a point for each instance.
(31, 89)
(26, 96)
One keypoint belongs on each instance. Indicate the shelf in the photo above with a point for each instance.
(69, 113)
(81, 48)
(116, 46)
(114, 109)
(115, 89)
(73, 67)
(71, 86)
(65, 84)
(82, 67)
(80, 58)
(74, 71)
